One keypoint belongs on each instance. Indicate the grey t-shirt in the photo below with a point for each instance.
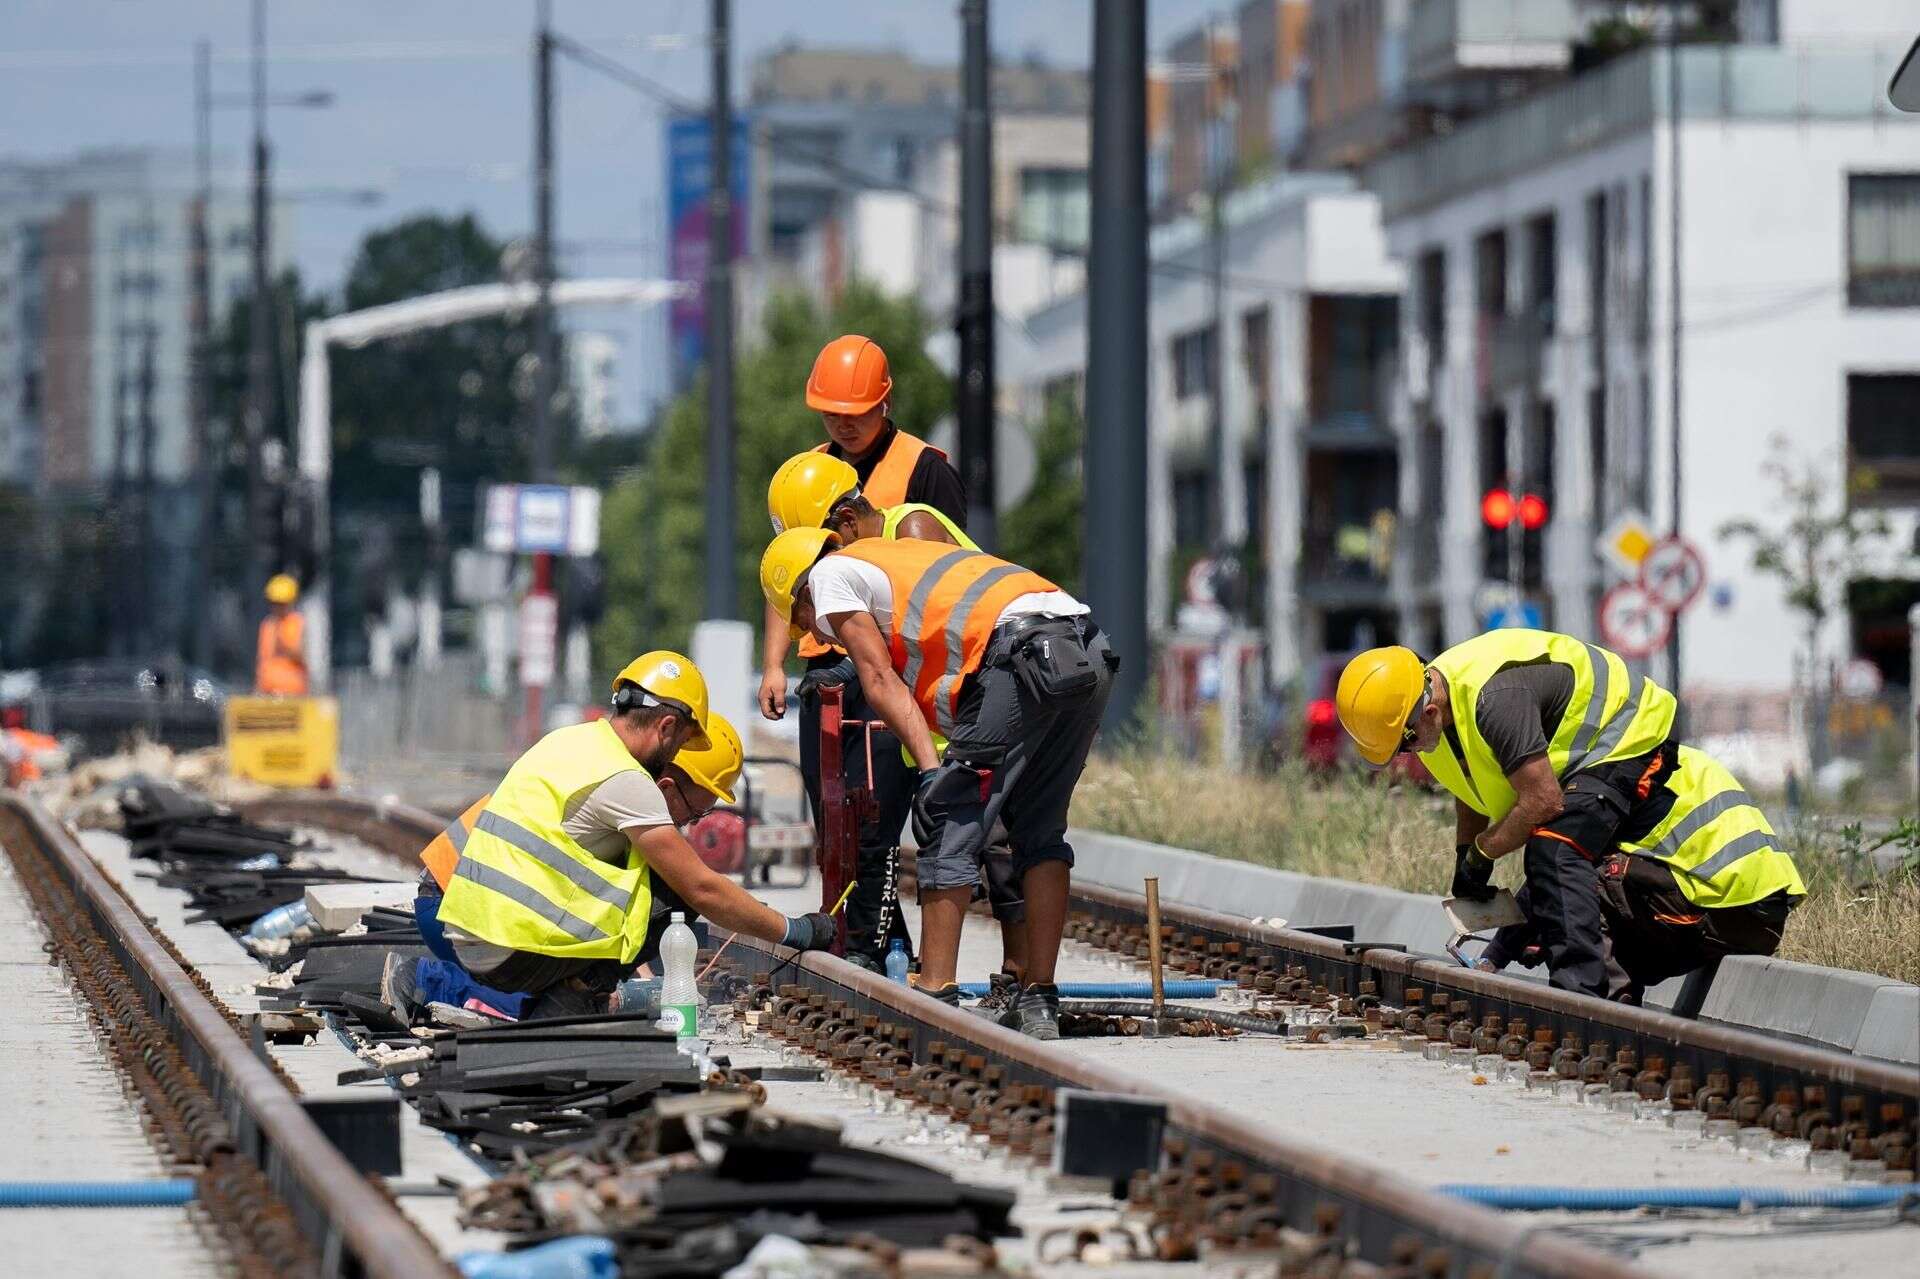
(1519, 709)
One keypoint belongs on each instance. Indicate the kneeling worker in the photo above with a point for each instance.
(551, 895)
(1549, 744)
(1016, 675)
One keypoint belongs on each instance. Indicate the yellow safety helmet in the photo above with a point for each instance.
(806, 488)
(717, 766)
(282, 589)
(1378, 693)
(670, 678)
(787, 557)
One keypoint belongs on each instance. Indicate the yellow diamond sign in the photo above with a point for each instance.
(1625, 542)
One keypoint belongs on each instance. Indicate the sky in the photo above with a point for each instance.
(433, 102)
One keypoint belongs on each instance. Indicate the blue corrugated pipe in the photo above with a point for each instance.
(167, 1193)
(1628, 1198)
(1116, 989)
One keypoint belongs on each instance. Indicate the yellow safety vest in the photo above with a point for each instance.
(1610, 716)
(1716, 840)
(894, 514)
(522, 882)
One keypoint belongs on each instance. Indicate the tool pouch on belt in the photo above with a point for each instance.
(1054, 663)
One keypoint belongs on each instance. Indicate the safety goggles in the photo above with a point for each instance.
(631, 696)
(1408, 738)
(833, 512)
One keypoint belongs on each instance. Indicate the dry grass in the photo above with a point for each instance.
(1350, 827)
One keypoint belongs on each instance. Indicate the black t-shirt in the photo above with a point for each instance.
(934, 481)
(1520, 709)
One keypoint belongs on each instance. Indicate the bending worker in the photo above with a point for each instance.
(1549, 744)
(813, 490)
(851, 387)
(1016, 675)
(551, 895)
(280, 662)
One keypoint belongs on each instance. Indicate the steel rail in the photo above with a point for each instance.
(353, 1225)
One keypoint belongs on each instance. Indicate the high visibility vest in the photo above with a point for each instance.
(1610, 715)
(522, 882)
(894, 514)
(280, 665)
(442, 853)
(1716, 840)
(885, 487)
(946, 602)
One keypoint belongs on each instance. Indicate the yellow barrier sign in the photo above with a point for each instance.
(283, 741)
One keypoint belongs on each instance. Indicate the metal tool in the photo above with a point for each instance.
(1471, 918)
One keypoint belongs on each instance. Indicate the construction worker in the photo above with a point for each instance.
(1013, 671)
(280, 666)
(815, 490)
(551, 891)
(1549, 744)
(851, 387)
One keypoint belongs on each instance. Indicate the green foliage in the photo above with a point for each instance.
(1044, 532)
(653, 526)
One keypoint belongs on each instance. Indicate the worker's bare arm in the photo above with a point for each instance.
(925, 527)
(1466, 823)
(860, 636)
(774, 642)
(1539, 802)
(710, 895)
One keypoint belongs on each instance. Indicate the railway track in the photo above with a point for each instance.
(283, 1199)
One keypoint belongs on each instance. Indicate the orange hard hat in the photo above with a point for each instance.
(849, 376)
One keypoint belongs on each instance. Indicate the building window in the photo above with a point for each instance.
(1883, 239)
(1053, 207)
(1432, 274)
(1193, 359)
(1192, 507)
(1883, 437)
(1256, 346)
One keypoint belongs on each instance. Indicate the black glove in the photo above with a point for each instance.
(925, 826)
(1472, 874)
(841, 672)
(810, 932)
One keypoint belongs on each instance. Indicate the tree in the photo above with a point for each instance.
(653, 526)
(1044, 531)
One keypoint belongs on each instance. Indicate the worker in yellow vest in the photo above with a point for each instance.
(1550, 744)
(1013, 671)
(280, 660)
(813, 490)
(551, 893)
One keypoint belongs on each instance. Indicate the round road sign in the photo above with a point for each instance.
(1673, 573)
(1632, 622)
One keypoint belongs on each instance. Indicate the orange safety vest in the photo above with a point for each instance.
(886, 486)
(946, 602)
(280, 665)
(443, 853)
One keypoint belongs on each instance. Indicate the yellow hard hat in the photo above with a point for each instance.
(806, 488)
(717, 766)
(1378, 693)
(282, 589)
(787, 557)
(672, 678)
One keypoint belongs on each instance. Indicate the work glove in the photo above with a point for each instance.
(810, 932)
(841, 672)
(1472, 874)
(924, 824)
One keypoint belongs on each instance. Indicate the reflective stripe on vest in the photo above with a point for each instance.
(953, 598)
(524, 883)
(1610, 716)
(894, 515)
(443, 853)
(1716, 839)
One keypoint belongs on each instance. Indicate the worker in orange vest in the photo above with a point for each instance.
(851, 387)
(280, 667)
(1016, 675)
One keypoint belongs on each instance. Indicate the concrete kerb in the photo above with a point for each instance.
(1855, 1012)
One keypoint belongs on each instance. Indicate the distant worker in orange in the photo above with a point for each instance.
(280, 667)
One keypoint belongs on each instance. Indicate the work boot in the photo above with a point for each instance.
(948, 994)
(398, 989)
(1036, 1012)
(1002, 989)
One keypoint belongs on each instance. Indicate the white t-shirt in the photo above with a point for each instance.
(843, 584)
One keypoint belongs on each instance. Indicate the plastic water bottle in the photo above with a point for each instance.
(282, 922)
(897, 962)
(679, 1001)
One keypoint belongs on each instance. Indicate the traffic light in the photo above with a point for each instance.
(1496, 508)
(1533, 512)
(1500, 509)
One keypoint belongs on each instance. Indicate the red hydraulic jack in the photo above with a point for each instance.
(845, 809)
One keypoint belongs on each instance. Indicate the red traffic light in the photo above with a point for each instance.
(1496, 508)
(1533, 512)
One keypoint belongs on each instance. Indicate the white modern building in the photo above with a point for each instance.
(1537, 335)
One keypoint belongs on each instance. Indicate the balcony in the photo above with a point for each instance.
(1447, 39)
(1346, 565)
